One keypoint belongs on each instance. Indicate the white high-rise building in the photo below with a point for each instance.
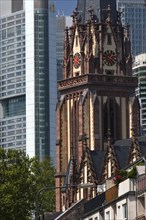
(139, 70)
(28, 76)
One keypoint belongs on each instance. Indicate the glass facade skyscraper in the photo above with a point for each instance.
(139, 70)
(134, 13)
(28, 76)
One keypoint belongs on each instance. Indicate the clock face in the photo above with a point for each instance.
(77, 60)
(109, 57)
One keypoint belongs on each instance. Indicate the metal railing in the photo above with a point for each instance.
(141, 184)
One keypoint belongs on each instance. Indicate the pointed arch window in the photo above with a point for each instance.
(109, 167)
(112, 117)
(109, 39)
(76, 41)
(109, 117)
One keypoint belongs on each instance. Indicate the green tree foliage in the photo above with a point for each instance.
(44, 172)
(20, 179)
(132, 173)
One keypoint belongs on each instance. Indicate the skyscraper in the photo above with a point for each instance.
(28, 76)
(139, 70)
(134, 13)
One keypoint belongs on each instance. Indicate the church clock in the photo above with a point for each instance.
(109, 57)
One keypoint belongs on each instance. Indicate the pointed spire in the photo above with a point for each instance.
(84, 139)
(109, 137)
(66, 41)
(135, 148)
(109, 14)
(90, 11)
(71, 151)
(119, 13)
(127, 35)
(133, 130)
(75, 16)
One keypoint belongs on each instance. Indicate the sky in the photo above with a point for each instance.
(65, 7)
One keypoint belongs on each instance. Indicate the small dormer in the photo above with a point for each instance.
(110, 162)
(135, 152)
(87, 176)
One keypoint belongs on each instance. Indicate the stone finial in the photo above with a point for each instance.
(71, 151)
(75, 16)
(109, 137)
(133, 132)
(127, 34)
(66, 39)
(84, 140)
(109, 13)
(90, 11)
(119, 13)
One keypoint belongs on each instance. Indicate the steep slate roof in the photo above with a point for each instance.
(99, 7)
(94, 203)
(142, 143)
(122, 149)
(98, 161)
(51, 216)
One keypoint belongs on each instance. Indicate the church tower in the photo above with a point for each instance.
(96, 93)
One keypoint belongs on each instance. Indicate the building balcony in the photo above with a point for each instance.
(127, 186)
(141, 184)
(111, 193)
(122, 188)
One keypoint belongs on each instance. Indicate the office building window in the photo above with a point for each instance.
(14, 107)
(17, 5)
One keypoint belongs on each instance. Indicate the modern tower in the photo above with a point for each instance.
(28, 76)
(134, 13)
(97, 94)
(139, 70)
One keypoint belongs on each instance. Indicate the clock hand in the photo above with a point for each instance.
(76, 60)
(111, 58)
